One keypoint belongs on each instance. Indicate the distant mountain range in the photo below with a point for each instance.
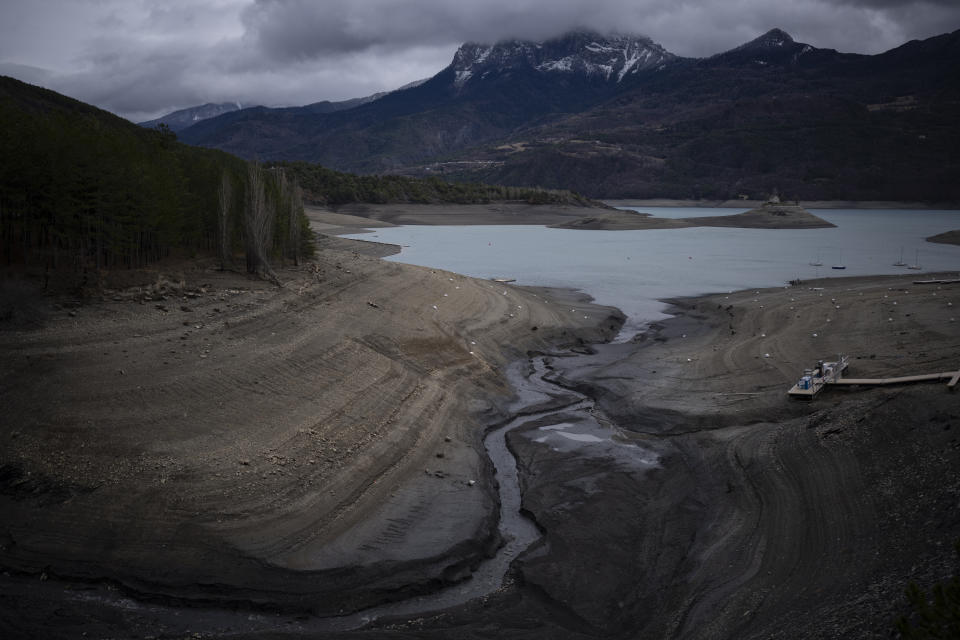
(619, 116)
(183, 118)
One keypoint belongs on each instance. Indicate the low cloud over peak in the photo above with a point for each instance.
(141, 59)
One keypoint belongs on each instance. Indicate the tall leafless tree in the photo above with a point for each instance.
(223, 221)
(294, 210)
(258, 224)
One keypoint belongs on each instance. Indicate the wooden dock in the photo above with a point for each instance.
(831, 373)
(814, 380)
(879, 382)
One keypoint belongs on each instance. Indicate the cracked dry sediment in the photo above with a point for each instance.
(218, 440)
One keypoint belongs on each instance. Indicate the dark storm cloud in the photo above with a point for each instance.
(894, 4)
(140, 58)
(300, 29)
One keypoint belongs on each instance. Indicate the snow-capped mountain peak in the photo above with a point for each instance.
(610, 58)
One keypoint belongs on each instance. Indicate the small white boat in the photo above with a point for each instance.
(900, 262)
(916, 262)
(818, 263)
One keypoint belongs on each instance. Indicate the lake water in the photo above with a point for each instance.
(634, 270)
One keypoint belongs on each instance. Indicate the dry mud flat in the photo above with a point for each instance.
(700, 502)
(761, 517)
(237, 444)
(213, 439)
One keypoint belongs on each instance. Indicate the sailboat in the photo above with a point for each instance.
(900, 262)
(818, 263)
(916, 262)
(840, 264)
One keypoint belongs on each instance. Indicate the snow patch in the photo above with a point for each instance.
(462, 76)
(598, 48)
(483, 56)
(563, 64)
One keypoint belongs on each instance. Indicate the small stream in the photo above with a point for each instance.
(517, 530)
(537, 399)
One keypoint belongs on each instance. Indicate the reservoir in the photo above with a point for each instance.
(636, 270)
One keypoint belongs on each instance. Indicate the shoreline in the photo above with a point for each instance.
(807, 204)
(663, 391)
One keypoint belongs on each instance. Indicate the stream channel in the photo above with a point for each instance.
(569, 420)
(537, 399)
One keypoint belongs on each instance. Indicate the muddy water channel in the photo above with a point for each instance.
(568, 417)
(547, 414)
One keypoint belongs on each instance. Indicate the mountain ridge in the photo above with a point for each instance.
(182, 118)
(578, 52)
(771, 113)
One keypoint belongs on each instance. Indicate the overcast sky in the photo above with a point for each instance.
(144, 58)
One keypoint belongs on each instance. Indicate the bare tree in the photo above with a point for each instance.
(290, 206)
(283, 202)
(258, 224)
(295, 210)
(223, 221)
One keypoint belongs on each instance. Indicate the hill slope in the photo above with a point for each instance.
(486, 93)
(813, 123)
(82, 190)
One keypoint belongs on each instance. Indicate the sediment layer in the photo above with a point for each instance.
(211, 438)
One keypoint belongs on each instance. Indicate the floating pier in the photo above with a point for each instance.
(815, 380)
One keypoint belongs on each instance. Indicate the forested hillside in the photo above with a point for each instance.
(83, 189)
(327, 187)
